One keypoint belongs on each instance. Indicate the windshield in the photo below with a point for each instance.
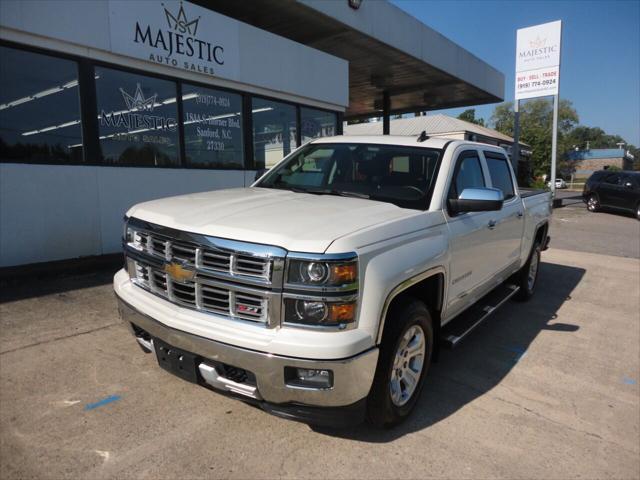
(400, 175)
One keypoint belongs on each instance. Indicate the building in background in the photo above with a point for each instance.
(440, 125)
(585, 162)
(109, 103)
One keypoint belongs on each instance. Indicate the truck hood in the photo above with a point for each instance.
(299, 222)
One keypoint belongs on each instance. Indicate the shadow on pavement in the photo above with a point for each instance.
(570, 201)
(485, 358)
(46, 284)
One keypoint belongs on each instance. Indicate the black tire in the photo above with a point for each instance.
(638, 211)
(524, 281)
(593, 204)
(382, 410)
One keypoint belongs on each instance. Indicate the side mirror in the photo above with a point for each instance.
(260, 173)
(477, 200)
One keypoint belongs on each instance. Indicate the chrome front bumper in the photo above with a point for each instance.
(352, 376)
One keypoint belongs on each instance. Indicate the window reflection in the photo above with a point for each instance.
(137, 119)
(274, 131)
(212, 127)
(317, 123)
(39, 108)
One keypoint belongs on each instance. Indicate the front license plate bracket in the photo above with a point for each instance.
(179, 362)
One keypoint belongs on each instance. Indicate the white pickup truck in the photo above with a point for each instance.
(322, 292)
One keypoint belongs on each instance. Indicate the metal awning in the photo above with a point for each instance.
(391, 54)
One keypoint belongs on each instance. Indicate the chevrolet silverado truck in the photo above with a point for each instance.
(323, 292)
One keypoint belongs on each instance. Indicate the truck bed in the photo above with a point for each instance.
(530, 192)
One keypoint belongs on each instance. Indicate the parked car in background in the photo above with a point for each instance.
(615, 190)
(560, 183)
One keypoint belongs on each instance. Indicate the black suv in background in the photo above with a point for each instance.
(616, 190)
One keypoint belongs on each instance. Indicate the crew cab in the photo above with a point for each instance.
(322, 292)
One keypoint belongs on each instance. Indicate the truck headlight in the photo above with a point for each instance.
(319, 273)
(322, 312)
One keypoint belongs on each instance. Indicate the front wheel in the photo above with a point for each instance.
(638, 211)
(405, 356)
(593, 205)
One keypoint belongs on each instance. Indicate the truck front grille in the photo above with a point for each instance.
(223, 300)
(233, 263)
(238, 280)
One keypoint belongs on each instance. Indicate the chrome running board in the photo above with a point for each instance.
(458, 328)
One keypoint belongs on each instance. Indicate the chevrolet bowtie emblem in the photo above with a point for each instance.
(179, 273)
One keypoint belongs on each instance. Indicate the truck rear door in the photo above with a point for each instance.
(508, 226)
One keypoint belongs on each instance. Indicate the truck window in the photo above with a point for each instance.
(467, 175)
(395, 174)
(500, 174)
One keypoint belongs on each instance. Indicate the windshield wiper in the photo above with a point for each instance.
(333, 191)
(322, 191)
(344, 193)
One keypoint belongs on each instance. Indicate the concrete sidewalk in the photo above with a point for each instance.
(546, 389)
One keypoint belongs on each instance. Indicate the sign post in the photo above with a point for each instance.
(538, 75)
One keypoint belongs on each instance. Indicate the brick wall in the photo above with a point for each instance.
(584, 168)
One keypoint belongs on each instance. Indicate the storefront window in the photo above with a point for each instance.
(274, 131)
(212, 127)
(137, 119)
(39, 108)
(317, 123)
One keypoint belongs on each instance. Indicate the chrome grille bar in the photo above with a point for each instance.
(213, 297)
(225, 272)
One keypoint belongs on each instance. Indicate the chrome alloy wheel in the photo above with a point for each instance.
(592, 203)
(533, 269)
(407, 365)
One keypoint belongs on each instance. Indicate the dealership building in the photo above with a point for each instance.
(107, 103)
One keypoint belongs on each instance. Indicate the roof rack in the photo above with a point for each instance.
(423, 136)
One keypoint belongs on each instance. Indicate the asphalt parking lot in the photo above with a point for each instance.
(547, 389)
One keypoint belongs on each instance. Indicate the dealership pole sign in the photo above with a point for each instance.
(538, 60)
(177, 34)
(538, 75)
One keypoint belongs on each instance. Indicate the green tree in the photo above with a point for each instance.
(469, 115)
(595, 137)
(536, 122)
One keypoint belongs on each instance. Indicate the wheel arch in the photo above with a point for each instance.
(540, 234)
(428, 286)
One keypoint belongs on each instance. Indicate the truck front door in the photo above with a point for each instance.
(470, 239)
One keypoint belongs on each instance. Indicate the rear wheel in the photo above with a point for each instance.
(528, 275)
(593, 204)
(405, 356)
(638, 211)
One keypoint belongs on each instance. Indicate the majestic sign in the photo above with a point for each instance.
(538, 60)
(138, 116)
(177, 34)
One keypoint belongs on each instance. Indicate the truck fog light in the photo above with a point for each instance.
(311, 310)
(308, 377)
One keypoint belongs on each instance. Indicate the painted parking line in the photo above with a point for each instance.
(100, 403)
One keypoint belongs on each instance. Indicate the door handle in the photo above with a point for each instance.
(520, 214)
(491, 225)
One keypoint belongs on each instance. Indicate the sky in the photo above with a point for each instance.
(600, 58)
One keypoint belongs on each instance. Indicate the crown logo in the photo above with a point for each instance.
(180, 23)
(538, 42)
(137, 101)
